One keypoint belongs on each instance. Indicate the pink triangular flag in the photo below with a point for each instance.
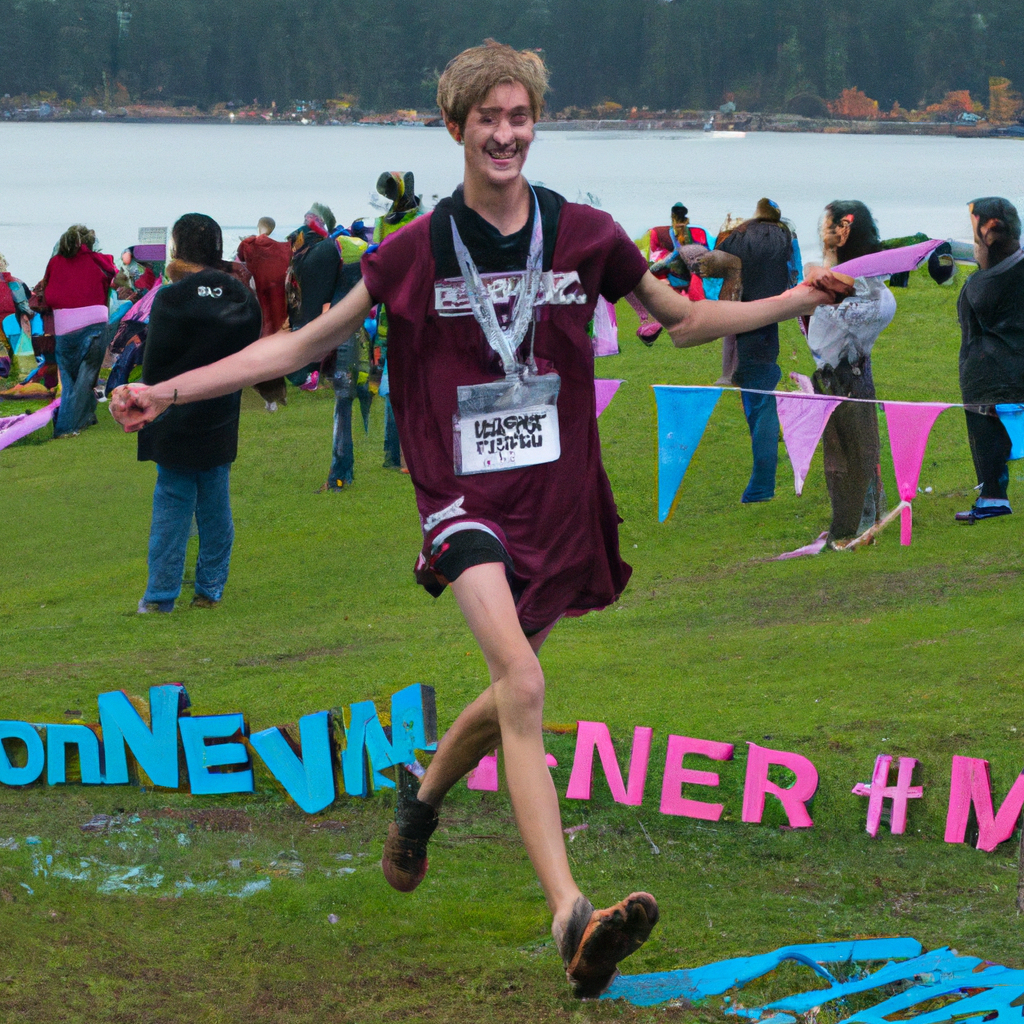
(803, 422)
(909, 426)
(604, 392)
(814, 548)
(606, 329)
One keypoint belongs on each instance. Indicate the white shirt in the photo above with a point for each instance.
(849, 330)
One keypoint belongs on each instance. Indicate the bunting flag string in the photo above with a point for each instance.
(604, 392)
(683, 413)
(909, 423)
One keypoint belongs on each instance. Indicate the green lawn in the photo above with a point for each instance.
(908, 651)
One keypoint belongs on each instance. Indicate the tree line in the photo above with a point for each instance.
(662, 54)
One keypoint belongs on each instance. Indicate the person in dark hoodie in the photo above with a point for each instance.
(765, 247)
(991, 313)
(311, 275)
(204, 315)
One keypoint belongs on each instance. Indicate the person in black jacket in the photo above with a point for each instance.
(765, 246)
(991, 313)
(203, 316)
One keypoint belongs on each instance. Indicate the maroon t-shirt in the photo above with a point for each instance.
(559, 519)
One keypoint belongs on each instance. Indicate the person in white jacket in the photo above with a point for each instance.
(840, 339)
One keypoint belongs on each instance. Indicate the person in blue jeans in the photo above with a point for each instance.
(204, 315)
(79, 357)
(76, 286)
(757, 368)
(764, 245)
(350, 373)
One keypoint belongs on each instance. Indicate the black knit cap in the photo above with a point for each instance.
(679, 211)
(997, 208)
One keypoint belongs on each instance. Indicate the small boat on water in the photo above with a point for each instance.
(728, 135)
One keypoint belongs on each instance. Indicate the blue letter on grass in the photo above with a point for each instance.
(309, 781)
(156, 748)
(33, 767)
(413, 727)
(201, 757)
(58, 739)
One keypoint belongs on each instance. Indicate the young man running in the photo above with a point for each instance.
(491, 375)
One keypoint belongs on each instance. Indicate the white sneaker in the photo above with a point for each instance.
(271, 406)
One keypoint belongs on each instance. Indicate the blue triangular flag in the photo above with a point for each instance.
(683, 413)
(1012, 417)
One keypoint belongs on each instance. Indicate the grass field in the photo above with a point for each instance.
(168, 916)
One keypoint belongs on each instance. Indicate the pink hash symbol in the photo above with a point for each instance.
(899, 794)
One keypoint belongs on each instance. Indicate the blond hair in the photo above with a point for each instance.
(472, 74)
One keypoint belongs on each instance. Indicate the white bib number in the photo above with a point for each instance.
(489, 442)
(507, 424)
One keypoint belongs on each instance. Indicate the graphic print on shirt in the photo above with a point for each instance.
(563, 288)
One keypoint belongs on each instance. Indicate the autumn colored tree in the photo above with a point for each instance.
(1004, 105)
(954, 104)
(855, 104)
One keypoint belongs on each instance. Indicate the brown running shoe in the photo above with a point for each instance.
(595, 943)
(405, 850)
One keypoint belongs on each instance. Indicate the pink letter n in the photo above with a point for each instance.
(970, 783)
(595, 734)
(793, 798)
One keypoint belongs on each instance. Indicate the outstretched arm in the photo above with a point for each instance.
(135, 405)
(694, 323)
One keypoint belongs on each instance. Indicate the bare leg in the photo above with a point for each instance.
(515, 699)
(591, 942)
(474, 734)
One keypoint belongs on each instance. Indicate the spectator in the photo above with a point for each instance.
(406, 206)
(841, 338)
(14, 298)
(764, 246)
(267, 260)
(76, 286)
(311, 276)
(204, 315)
(991, 313)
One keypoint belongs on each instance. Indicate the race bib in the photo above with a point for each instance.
(507, 424)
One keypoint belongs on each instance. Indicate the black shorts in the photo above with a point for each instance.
(460, 550)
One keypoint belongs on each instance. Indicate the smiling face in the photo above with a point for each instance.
(497, 136)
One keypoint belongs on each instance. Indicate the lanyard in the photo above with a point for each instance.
(504, 342)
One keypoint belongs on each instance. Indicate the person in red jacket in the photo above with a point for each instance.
(13, 302)
(77, 288)
(267, 260)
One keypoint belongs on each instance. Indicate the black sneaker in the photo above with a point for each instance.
(405, 851)
(975, 513)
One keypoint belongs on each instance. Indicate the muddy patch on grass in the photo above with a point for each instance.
(211, 819)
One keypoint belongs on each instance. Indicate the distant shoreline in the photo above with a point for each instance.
(734, 123)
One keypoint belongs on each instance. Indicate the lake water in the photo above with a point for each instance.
(118, 177)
